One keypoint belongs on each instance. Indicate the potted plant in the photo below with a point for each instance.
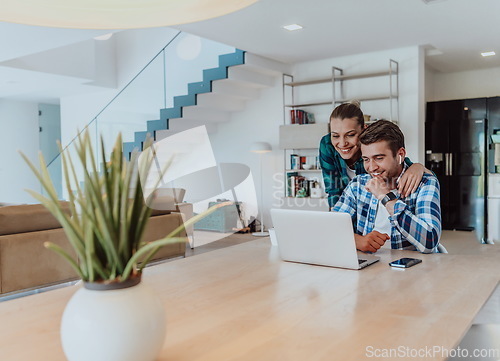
(113, 316)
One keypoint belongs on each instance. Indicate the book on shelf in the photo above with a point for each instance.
(298, 186)
(310, 118)
(303, 162)
(290, 184)
(299, 116)
(294, 161)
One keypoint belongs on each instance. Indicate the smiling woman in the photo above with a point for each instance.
(346, 123)
(339, 151)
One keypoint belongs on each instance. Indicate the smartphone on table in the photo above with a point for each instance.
(405, 262)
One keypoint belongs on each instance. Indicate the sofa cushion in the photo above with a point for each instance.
(27, 218)
(159, 212)
(159, 227)
(25, 262)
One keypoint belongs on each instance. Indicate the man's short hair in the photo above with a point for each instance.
(383, 130)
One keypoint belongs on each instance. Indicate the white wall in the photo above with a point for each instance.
(422, 86)
(429, 83)
(19, 123)
(258, 122)
(462, 85)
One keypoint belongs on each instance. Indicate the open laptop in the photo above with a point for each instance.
(321, 238)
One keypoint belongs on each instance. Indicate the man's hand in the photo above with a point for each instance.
(378, 187)
(371, 242)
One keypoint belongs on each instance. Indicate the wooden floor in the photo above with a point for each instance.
(451, 240)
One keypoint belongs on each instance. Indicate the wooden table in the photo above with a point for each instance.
(244, 303)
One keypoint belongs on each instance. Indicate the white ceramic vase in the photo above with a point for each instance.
(113, 325)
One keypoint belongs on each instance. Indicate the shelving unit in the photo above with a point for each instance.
(304, 139)
(337, 81)
(391, 94)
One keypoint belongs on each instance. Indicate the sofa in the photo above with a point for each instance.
(26, 264)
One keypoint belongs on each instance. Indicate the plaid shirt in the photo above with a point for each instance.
(416, 223)
(334, 170)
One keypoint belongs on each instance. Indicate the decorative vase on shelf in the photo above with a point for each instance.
(123, 322)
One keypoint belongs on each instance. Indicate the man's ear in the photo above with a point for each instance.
(401, 155)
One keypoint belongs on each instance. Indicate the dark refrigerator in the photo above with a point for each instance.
(456, 141)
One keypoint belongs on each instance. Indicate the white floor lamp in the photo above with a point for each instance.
(261, 148)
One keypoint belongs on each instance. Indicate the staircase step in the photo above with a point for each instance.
(214, 74)
(154, 125)
(229, 88)
(236, 58)
(140, 137)
(220, 101)
(249, 78)
(169, 113)
(266, 66)
(185, 100)
(181, 125)
(204, 115)
(128, 148)
(199, 87)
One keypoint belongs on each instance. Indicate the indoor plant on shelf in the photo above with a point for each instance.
(114, 316)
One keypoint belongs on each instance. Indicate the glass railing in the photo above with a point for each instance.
(168, 75)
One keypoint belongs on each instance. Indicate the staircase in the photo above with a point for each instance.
(225, 89)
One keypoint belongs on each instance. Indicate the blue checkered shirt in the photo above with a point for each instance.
(416, 223)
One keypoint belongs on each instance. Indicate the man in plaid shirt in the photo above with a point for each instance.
(378, 212)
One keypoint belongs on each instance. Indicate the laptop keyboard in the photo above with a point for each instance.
(361, 261)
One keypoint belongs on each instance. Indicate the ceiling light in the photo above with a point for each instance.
(115, 14)
(488, 53)
(292, 27)
(104, 37)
